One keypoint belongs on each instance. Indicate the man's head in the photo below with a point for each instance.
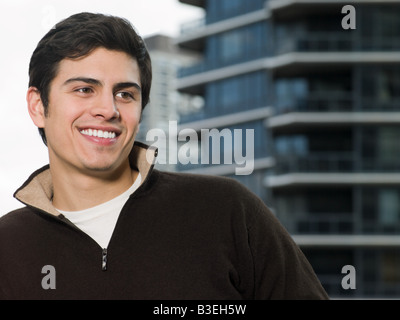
(78, 36)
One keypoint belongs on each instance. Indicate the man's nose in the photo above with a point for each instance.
(106, 108)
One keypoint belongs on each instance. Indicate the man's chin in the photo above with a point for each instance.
(100, 168)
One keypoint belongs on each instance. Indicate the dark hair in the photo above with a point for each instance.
(77, 36)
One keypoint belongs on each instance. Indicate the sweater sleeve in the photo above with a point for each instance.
(281, 270)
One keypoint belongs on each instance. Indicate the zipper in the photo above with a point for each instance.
(104, 260)
(104, 250)
(64, 220)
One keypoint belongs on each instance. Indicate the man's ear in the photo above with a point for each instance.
(35, 107)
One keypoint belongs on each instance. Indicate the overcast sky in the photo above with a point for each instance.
(22, 24)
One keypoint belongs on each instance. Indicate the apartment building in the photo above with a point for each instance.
(320, 88)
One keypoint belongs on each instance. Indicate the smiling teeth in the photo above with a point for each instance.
(99, 133)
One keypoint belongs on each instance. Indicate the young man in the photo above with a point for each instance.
(100, 223)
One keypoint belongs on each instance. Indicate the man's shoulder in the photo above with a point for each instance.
(207, 188)
(209, 194)
(13, 219)
(200, 181)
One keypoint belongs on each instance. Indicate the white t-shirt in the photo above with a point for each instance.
(99, 221)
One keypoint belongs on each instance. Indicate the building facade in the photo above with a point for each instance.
(319, 86)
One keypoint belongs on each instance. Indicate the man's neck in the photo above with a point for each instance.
(77, 191)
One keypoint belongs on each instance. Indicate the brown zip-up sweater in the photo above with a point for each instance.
(179, 236)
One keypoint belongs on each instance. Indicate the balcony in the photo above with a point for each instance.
(253, 109)
(332, 101)
(295, 8)
(228, 9)
(339, 223)
(193, 34)
(289, 121)
(339, 101)
(325, 162)
(324, 42)
(331, 162)
(373, 105)
(334, 42)
(217, 62)
(321, 223)
(194, 69)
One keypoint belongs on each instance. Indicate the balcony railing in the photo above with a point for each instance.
(335, 102)
(330, 162)
(337, 223)
(332, 42)
(333, 162)
(194, 69)
(310, 42)
(321, 223)
(318, 102)
(217, 62)
(218, 110)
(372, 104)
(380, 165)
(372, 226)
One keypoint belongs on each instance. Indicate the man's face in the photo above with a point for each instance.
(94, 112)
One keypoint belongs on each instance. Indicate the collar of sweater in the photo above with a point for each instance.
(37, 191)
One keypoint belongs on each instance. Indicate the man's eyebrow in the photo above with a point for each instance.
(116, 87)
(83, 79)
(124, 85)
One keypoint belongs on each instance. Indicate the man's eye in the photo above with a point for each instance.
(125, 95)
(84, 90)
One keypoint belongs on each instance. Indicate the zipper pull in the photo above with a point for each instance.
(104, 260)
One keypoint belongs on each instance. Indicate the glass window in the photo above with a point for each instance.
(388, 19)
(232, 44)
(381, 209)
(389, 207)
(329, 262)
(330, 200)
(237, 94)
(388, 145)
(380, 88)
(230, 5)
(290, 94)
(222, 9)
(230, 92)
(242, 44)
(380, 28)
(287, 145)
(390, 267)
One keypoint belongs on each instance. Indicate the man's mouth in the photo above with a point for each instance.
(99, 133)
